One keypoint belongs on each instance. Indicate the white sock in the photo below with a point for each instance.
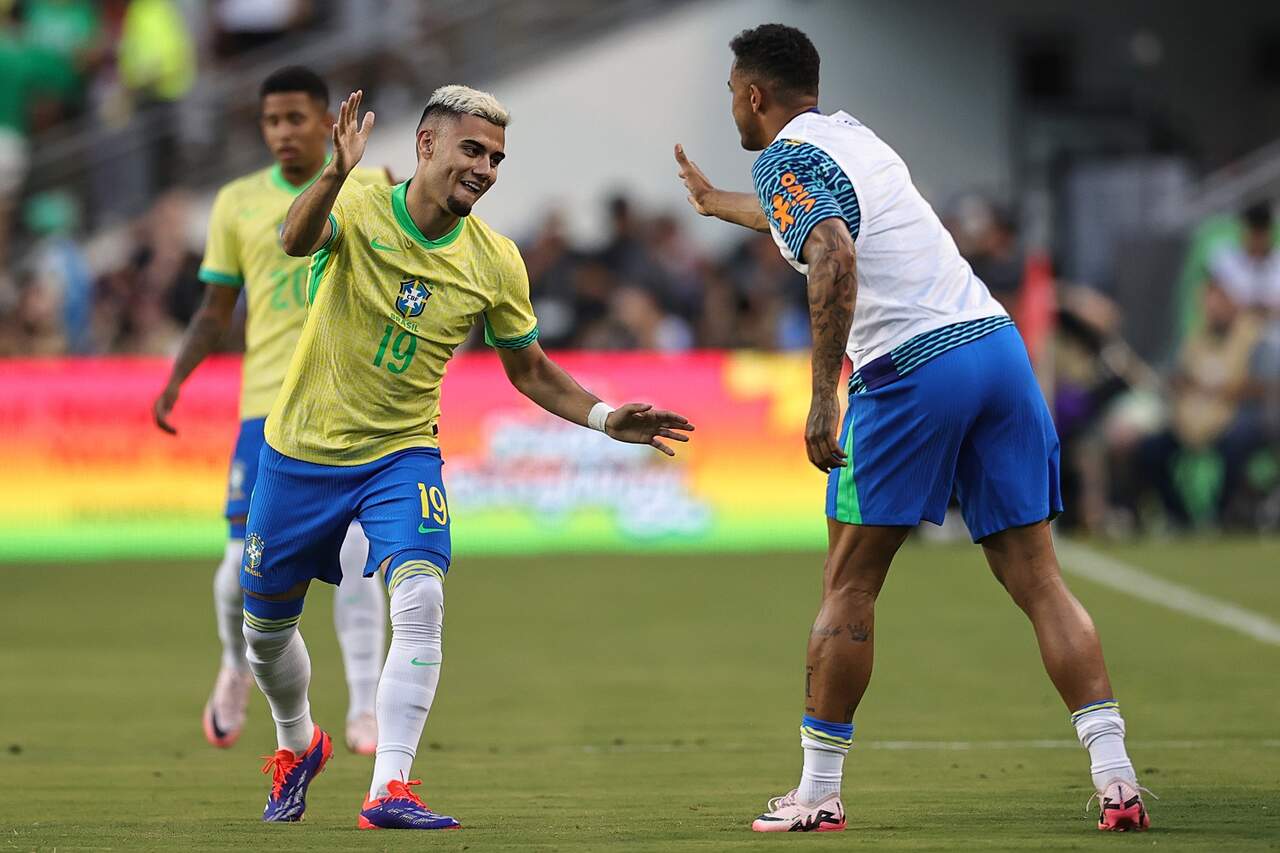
(409, 677)
(359, 616)
(1101, 732)
(283, 671)
(228, 602)
(823, 769)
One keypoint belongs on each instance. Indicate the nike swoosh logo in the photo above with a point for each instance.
(422, 528)
(382, 247)
(417, 662)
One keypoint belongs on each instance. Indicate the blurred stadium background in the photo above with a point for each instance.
(1110, 170)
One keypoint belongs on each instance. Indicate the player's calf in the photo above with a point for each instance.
(412, 669)
(278, 657)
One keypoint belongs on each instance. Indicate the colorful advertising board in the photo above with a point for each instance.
(84, 473)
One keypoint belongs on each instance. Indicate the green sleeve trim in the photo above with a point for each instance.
(508, 343)
(319, 261)
(226, 279)
(333, 233)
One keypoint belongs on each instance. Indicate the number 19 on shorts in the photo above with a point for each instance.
(434, 506)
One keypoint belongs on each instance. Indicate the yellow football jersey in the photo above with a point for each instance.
(388, 308)
(243, 250)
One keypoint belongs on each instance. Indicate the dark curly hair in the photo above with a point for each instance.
(781, 54)
(295, 78)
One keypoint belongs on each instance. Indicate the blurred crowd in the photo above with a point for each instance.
(94, 68)
(1192, 443)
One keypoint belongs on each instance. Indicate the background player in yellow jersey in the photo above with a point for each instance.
(243, 252)
(399, 278)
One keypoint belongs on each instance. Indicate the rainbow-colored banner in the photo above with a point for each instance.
(84, 473)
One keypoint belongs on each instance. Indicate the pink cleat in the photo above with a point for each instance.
(787, 814)
(362, 734)
(224, 713)
(1122, 808)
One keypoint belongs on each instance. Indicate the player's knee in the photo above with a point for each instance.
(858, 560)
(853, 580)
(269, 626)
(417, 608)
(1028, 587)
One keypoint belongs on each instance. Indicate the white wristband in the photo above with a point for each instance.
(598, 415)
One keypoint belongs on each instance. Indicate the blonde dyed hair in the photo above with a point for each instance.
(460, 100)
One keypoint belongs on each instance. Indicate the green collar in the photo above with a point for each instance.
(401, 210)
(277, 178)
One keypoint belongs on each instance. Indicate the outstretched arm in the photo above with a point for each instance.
(833, 289)
(739, 208)
(545, 383)
(306, 228)
(208, 326)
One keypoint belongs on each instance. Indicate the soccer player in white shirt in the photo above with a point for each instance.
(942, 400)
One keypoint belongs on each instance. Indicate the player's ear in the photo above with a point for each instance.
(426, 142)
(757, 98)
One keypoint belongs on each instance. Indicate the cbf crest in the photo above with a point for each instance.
(253, 548)
(413, 298)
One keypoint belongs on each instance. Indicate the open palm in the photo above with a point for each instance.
(348, 138)
(641, 423)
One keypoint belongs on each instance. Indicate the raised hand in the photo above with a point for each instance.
(641, 423)
(694, 181)
(348, 139)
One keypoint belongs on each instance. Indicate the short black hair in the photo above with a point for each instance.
(295, 78)
(782, 54)
(1257, 217)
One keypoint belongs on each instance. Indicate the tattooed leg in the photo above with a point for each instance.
(842, 639)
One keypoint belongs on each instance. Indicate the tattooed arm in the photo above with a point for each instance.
(833, 288)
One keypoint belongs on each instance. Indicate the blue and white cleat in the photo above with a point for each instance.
(402, 809)
(290, 776)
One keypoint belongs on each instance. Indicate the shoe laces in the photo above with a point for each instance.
(397, 790)
(1141, 789)
(280, 765)
(788, 799)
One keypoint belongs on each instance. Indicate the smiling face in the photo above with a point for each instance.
(296, 127)
(458, 157)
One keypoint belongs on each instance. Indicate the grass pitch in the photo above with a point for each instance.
(648, 703)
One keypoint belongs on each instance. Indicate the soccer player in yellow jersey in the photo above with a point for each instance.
(399, 277)
(243, 252)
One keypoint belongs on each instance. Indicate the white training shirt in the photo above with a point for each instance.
(911, 277)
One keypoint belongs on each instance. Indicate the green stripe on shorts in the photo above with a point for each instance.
(848, 509)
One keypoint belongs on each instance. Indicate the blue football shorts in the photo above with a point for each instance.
(243, 472)
(300, 512)
(970, 422)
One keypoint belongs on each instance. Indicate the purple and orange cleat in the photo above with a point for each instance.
(402, 809)
(1122, 808)
(291, 774)
(788, 814)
